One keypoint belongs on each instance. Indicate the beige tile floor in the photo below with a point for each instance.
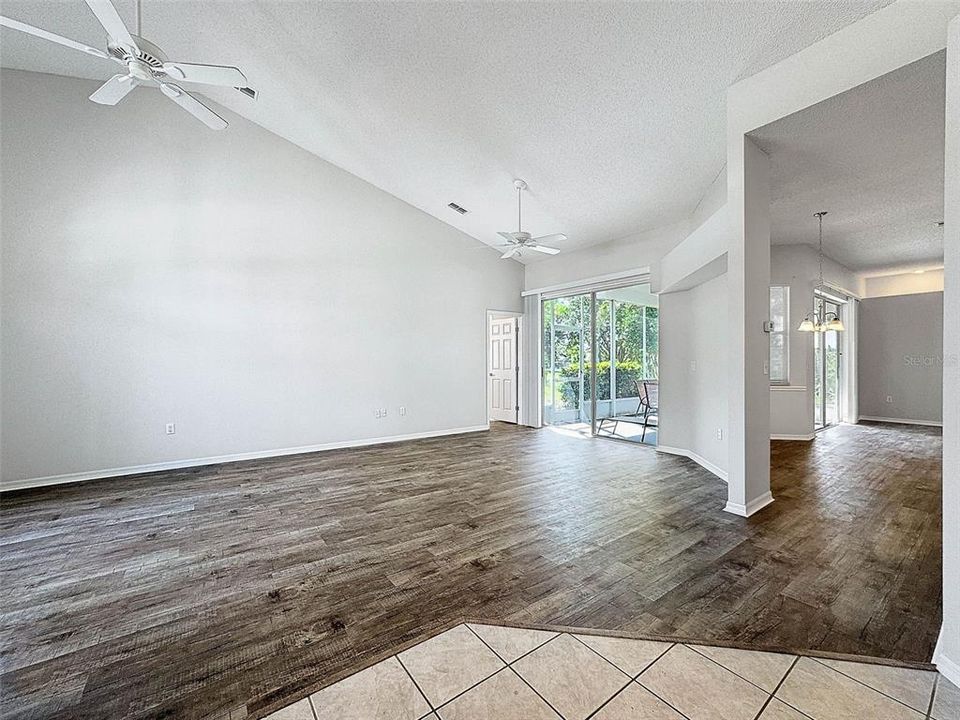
(486, 672)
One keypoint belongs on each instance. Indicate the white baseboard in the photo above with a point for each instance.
(793, 437)
(751, 507)
(947, 667)
(698, 459)
(214, 460)
(901, 421)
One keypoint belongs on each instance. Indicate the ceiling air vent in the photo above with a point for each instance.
(457, 208)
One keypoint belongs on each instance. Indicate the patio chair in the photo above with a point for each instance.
(648, 408)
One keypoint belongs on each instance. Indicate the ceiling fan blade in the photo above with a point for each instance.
(114, 90)
(543, 249)
(511, 252)
(53, 37)
(110, 19)
(193, 106)
(507, 236)
(556, 237)
(206, 74)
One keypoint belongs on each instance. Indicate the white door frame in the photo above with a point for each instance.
(489, 315)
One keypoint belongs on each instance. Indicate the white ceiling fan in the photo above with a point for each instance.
(519, 241)
(144, 64)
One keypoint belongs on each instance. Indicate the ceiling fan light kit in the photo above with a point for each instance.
(144, 64)
(519, 241)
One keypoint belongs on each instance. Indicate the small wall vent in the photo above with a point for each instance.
(457, 208)
(249, 92)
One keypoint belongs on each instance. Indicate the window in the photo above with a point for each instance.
(780, 335)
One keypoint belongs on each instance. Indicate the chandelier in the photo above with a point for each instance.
(820, 322)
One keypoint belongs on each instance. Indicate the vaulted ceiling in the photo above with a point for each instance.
(612, 112)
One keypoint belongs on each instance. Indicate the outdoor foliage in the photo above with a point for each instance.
(634, 335)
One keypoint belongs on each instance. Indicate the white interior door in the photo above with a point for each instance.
(502, 346)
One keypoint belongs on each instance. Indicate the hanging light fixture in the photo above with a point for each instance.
(833, 323)
(807, 325)
(830, 321)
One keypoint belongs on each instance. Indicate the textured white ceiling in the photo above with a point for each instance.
(873, 158)
(612, 112)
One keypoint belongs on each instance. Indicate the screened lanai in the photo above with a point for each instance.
(607, 341)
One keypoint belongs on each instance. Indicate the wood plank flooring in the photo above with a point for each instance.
(228, 591)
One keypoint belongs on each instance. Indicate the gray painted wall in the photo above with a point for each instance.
(260, 298)
(900, 355)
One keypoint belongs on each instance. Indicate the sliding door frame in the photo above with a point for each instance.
(573, 290)
(839, 304)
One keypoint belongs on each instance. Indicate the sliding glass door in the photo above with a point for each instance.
(826, 359)
(566, 360)
(612, 391)
(628, 332)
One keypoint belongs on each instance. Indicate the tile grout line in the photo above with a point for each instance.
(657, 696)
(629, 677)
(933, 696)
(479, 682)
(772, 695)
(609, 699)
(551, 639)
(633, 679)
(636, 678)
(661, 699)
(653, 662)
(513, 670)
(729, 670)
(415, 684)
(464, 692)
(840, 672)
(601, 656)
(524, 681)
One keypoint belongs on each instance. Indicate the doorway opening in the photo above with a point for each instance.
(601, 363)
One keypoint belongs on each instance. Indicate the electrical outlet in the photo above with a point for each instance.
(383, 412)
(376, 413)
(171, 428)
(719, 433)
(766, 367)
(693, 366)
(403, 410)
(889, 398)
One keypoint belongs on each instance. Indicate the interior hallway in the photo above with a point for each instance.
(187, 593)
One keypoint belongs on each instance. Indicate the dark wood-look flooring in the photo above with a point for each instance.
(228, 591)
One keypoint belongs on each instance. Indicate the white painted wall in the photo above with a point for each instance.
(947, 656)
(701, 256)
(694, 372)
(748, 263)
(636, 251)
(260, 298)
(797, 266)
(903, 284)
